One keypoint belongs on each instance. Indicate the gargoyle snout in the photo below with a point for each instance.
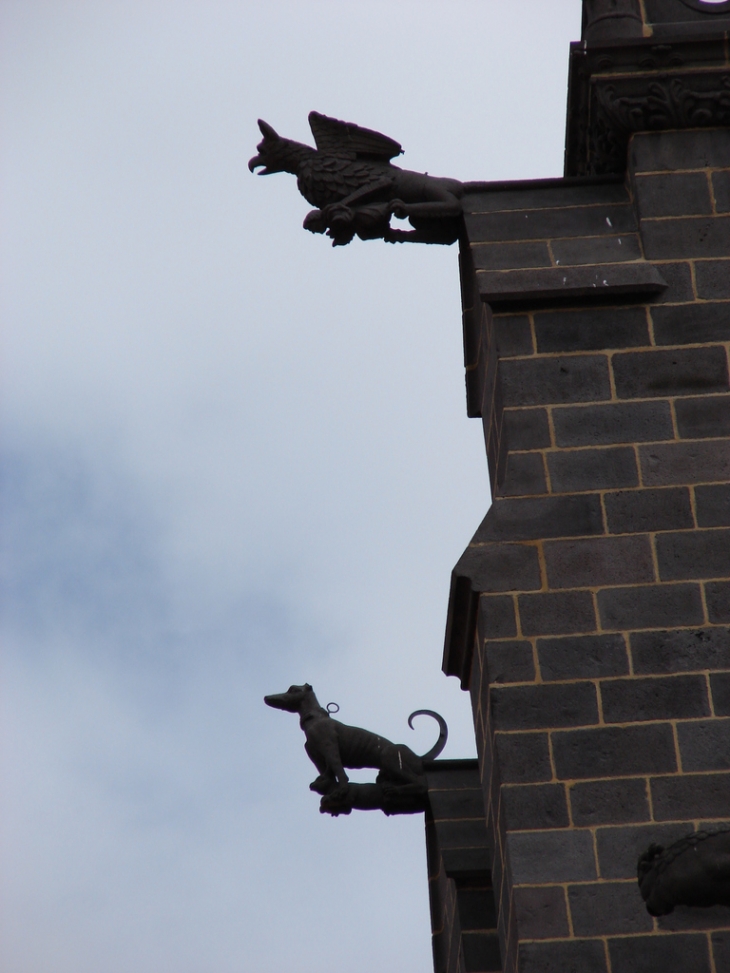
(291, 700)
(277, 701)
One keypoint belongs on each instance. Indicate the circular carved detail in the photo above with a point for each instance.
(708, 6)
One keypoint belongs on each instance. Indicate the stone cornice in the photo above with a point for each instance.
(639, 86)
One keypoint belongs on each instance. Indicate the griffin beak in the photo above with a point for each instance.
(257, 161)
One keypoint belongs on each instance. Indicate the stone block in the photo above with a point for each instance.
(720, 688)
(614, 751)
(689, 325)
(579, 955)
(591, 329)
(695, 462)
(694, 236)
(713, 279)
(686, 917)
(553, 195)
(501, 567)
(682, 371)
(608, 909)
(666, 151)
(548, 224)
(690, 796)
(609, 802)
(528, 807)
(673, 194)
(675, 952)
(509, 662)
(537, 706)
(679, 279)
(633, 511)
(721, 950)
(713, 505)
(466, 833)
(686, 650)
(624, 422)
(705, 418)
(507, 256)
(593, 469)
(514, 335)
(551, 856)
(498, 616)
(596, 250)
(540, 913)
(525, 475)
(544, 381)
(481, 952)
(704, 744)
(721, 190)
(557, 613)
(654, 698)
(526, 428)
(717, 594)
(477, 908)
(582, 657)
(522, 758)
(695, 554)
(457, 803)
(650, 606)
(589, 562)
(528, 518)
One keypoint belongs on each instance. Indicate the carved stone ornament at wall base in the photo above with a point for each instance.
(399, 788)
(694, 871)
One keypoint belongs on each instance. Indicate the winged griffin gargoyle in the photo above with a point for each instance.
(350, 179)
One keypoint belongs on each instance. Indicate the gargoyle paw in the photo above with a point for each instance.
(398, 208)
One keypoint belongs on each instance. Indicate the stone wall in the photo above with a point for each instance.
(463, 913)
(589, 615)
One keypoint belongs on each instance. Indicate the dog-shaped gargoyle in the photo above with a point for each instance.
(399, 788)
(350, 179)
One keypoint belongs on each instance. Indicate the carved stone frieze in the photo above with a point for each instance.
(646, 104)
(668, 102)
(640, 87)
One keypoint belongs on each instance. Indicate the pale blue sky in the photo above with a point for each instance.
(235, 458)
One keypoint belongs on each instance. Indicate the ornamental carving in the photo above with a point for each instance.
(694, 871)
(668, 103)
(620, 107)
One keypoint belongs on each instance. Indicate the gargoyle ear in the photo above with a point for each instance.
(267, 131)
(307, 686)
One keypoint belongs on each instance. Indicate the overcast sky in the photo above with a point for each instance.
(234, 459)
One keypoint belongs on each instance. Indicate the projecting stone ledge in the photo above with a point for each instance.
(605, 280)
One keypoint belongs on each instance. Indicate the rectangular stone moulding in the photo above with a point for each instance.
(554, 283)
(589, 617)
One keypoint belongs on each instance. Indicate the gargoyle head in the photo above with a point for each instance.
(292, 699)
(277, 154)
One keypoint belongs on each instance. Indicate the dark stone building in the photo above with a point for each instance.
(589, 617)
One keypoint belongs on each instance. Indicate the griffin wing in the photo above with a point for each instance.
(345, 139)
